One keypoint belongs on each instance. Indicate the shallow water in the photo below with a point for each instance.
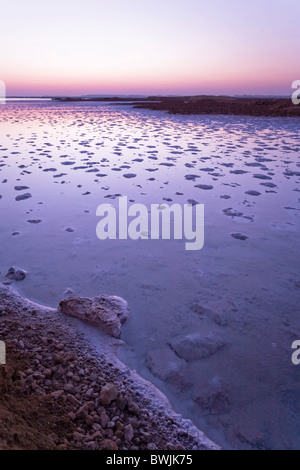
(71, 157)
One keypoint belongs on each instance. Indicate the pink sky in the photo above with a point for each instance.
(66, 47)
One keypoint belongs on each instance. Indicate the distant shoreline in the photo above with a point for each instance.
(186, 105)
(192, 105)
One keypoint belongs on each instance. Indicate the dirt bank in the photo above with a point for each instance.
(225, 105)
(57, 392)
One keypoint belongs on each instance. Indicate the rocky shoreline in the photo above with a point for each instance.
(57, 392)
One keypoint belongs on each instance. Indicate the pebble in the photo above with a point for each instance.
(16, 274)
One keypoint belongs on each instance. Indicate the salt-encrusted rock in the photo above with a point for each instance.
(108, 313)
(16, 274)
(220, 318)
(196, 346)
(239, 236)
(167, 366)
(214, 398)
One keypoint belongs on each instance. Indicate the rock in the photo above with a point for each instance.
(47, 373)
(83, 411)
(104, 419)
(106, 312)
(92, 445)
(128, 433)
(220, 319)
(121, 403)
(16, 274)
(167, 366)
(22, 197)
(238, 172)
(57, 394)
(129, 175)
(239, 236)
(21, 188)
(119, 426)
(69, 291)
(269, 185)
(108, 394)
(151, 446)
(108, 444)
(134, 422)
(191, 177)
(214, 399)
(192, 202)
(77, 436)
(199, 309)
(253, 193)
(89, 420)
(232, 213)
(196, 346)
(73, 400)
(174, 446)
(204, 186)
(71, 416)
(207, 169)
(262, 177)
(69, 388)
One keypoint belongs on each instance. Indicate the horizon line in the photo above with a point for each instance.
(113, 95)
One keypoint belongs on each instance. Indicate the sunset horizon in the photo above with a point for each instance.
(230, 87)
(149, 94)
(158, 48)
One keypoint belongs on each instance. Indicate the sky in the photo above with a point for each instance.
(181, 47)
